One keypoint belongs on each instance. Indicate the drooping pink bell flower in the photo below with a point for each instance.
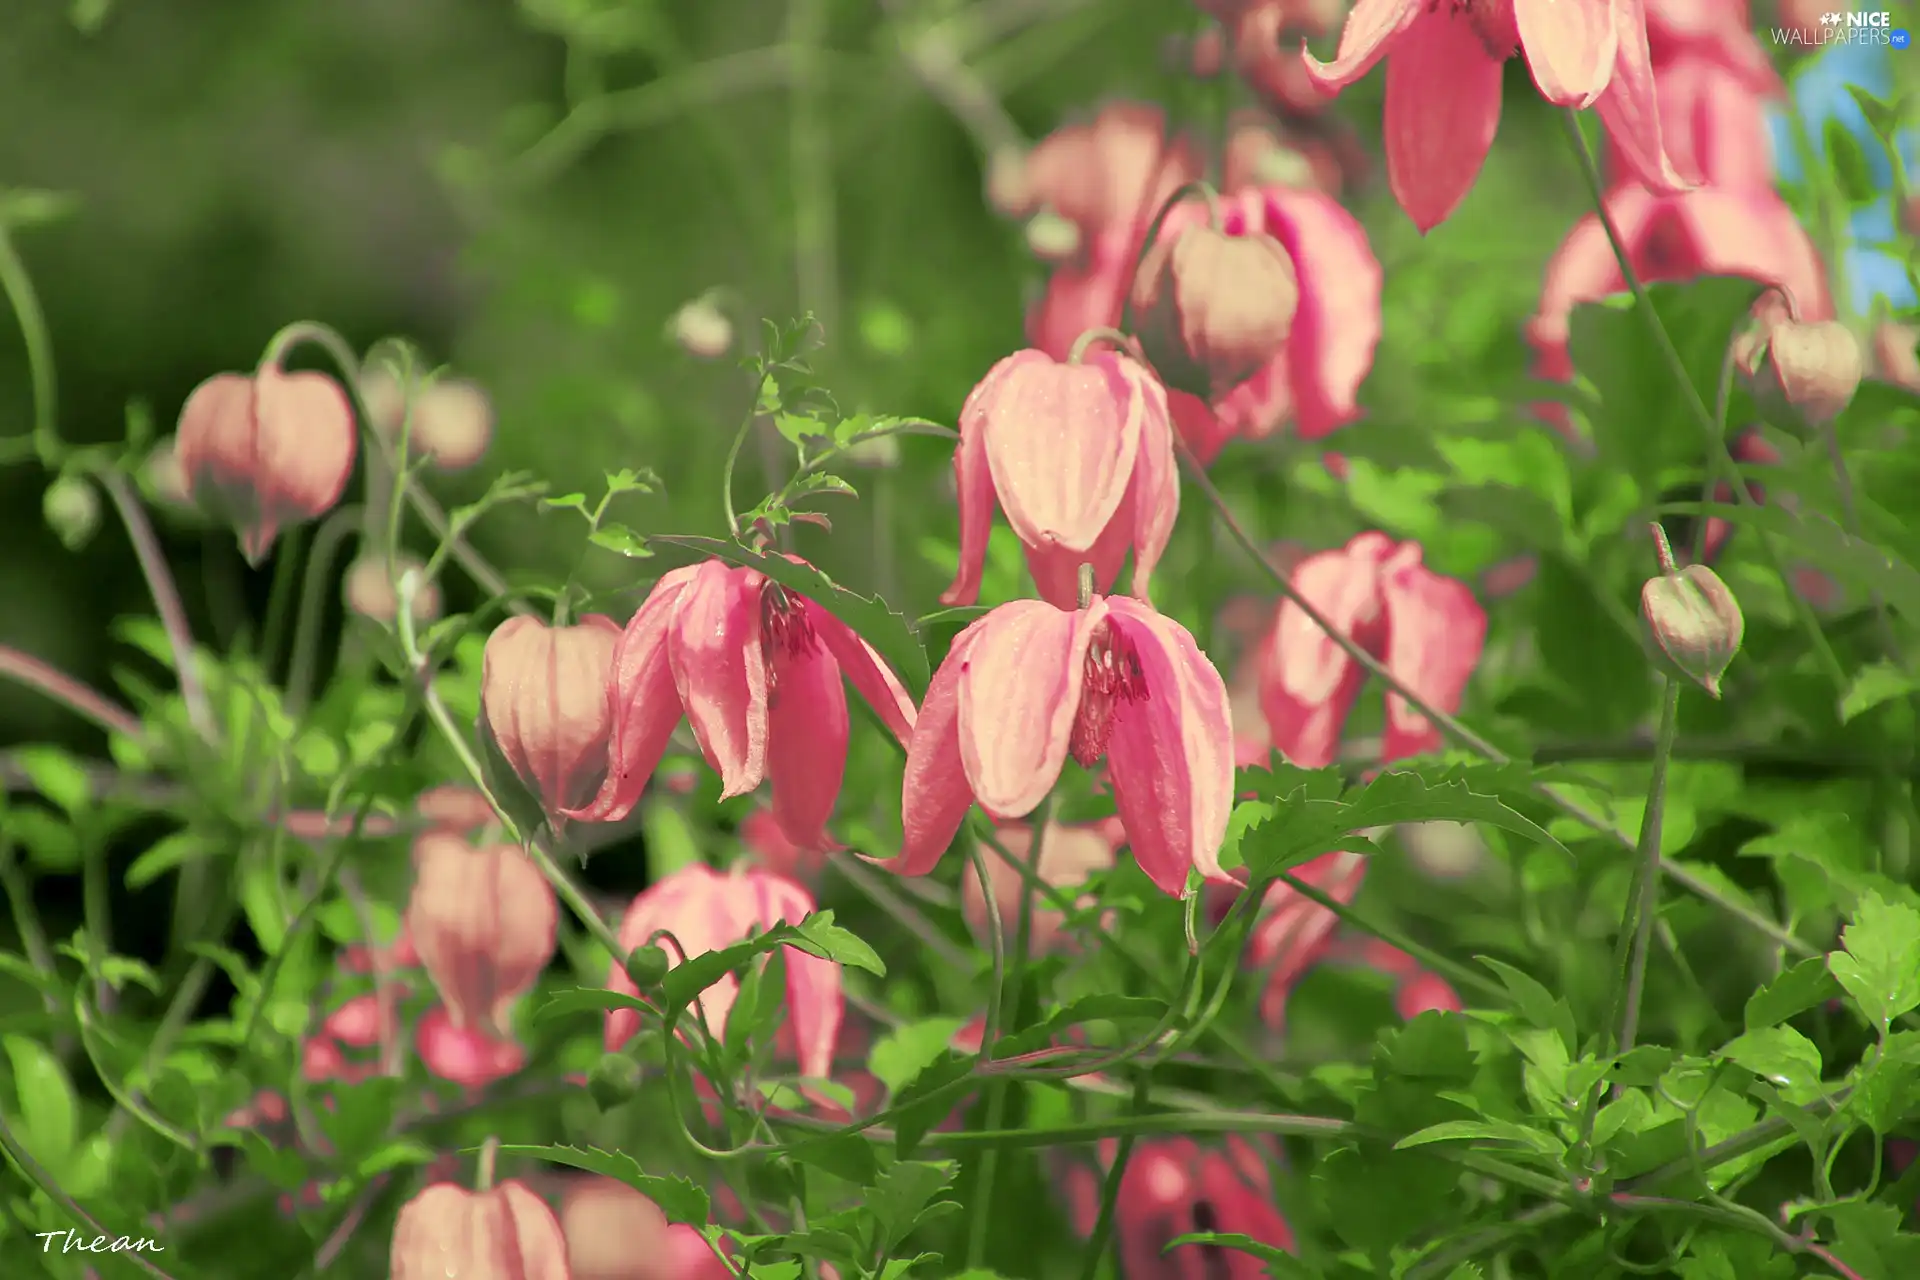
(1174, 1187)
(1704, 232)
(756, 670)
(484, 921)
(1444, 66)
(706, 910)
(1428, 630)
(507, 1233)
(1068, 855)
(760, 832)
(1081, 459)
(468, 1056)
(1028, 685)
(1113, 170)
(266, 450)
(543, 705)
(615, 1233)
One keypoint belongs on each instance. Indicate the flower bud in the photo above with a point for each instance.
(71, 508)
(1695, 621)
(507, 1233)
(1052, 238)
(452, 424)
(483, 920)
(458, 811)
(466, 1056)
(1214, 308)
(164, 479)
(1811, 369)
(615, 1080)
(615, 1233)
(648, 966)
(266, 450)
(544, 709)
(368, 590)
(703, 330)
(1009, 192)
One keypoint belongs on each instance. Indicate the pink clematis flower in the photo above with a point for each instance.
(615, 1233)
(1705, 232)
(467, 1056)
(1714, 121)
(484, 921)
(1294, 933)
(756, 670)
(1081, 458)
(506, 1233)
(1068, 855)
(706, 910)
(1029, 684)
(1113, 170)
(1427, 629)
(1443, 84)
(1174, 1187)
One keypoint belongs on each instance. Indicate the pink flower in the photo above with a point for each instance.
(756, 670)
(466, 1056)
(1444, 66)
(768, 844)
(1112, 171)
(1713, 117)
(1174, 1187)
(615, 1233)
(507, 1233)
(1715, 29)
(1068, 855)
(1427, 630)
(543, 705)
(1706, 232)
(705, 910)
(1029, 684)
(268, 450)
(1081, 459)
(484, 921)
(1294, 933)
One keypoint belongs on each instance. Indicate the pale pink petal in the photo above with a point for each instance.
(1019, 693)
(1435, 633)
(719, 668)
(1170, 758)
(1337, 325)
(1756, 235)
(815, 1005)
(1367, 37)
(973, 481)
(866, 670)
(1056, 571)
(645, 704)
(1570, 46)
(1060, 441)
(681, 904)
(1153, 501)
(1583, 269)
(934, 795)
(1426, 992)
(806, 745)
(1442, 111)
(1630, 108)
(1255, 409)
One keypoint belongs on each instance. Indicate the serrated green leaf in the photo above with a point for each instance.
(1880, 967)
(620, 540)
(910, 1048)
(680, 1199)
(587, 1000)
(1872, 685)
(1805, 986)
(843, 946)
(1782, 1057)
(898, 1198)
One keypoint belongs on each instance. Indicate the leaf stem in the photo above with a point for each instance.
(1116, 1175)
(1648, 884)
(17, 284)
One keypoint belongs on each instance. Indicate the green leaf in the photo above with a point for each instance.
(361, 1118)
(48, 1113)
(907, 1050)
(817, 935)
(588, 1000)
(1874, 684)
(1883, 118)
(1378, 1198)
(577, 501)
(1880, 967)
(22, 207)
(1806, 985)
(847, 1156)
(1536, 1004)
(888, 632)
(678, 1198)
(632, 480)
(620, 540)
(1279, 1261)
(758, 1007)
(1485, 1130)
(58, 776)
(799, 427)
(899, 1200)
(1822, 543)
(1782, 1057)
(170, 853)
(1848, 161)
(843, 946)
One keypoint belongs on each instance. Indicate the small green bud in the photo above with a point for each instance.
(72, 510)
(647, 966)
(1052, 238)
(615, 1080)
(1694, 620)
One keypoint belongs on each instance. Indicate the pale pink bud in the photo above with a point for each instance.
(266, 450)
(455, 810)
(615, 1233)
(703, 330)
(1068, 855)
(1695, 621)
(1813, 368)
(544, 705)
(452, 423)
(449, 1233)
(1894, 355)
(385, 401)
(484, 921)
(1214, 308)
(466, 1056)
(368, 589)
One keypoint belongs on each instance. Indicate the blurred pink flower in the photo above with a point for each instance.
(1068, 855)
(768, 845)
(543, 705)
(466, 1056)
(1715, 124)
(1720, 30)
(615, 1233)
(1444, 68)
(1028, 685)
(1081, 459)
(507, 1233)
(1112, 171)
(1427, 630)
(1174, 1187)
(485, 922)
(756, 670)
(705, 910)
(1294, 933)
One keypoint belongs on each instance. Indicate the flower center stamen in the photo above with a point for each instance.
(785, 630)
(1113, 677)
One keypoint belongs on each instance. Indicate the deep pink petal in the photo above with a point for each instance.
(1366, 38)
(1019, 693)
(1630, 107)
(679, 904)
(645, 703)
(1293, 932)
(1442, 111)
(1061, 441)
(934, 794)
(1337, 325)
(866, 670)
(815, 1005)
(1170, 758)
(719, 667)
(1153, 499)
(1307, 682)
(973, 482)
(806, 745)
(1570, 46)
(1056, 572)
(1435, 633)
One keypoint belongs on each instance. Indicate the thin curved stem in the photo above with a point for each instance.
(63, 688)
(166, 601)
(1116, 1177)
(17, 284)
(1649, 879)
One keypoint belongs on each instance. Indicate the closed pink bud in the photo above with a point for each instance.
(544, 705)
(466, 1056)
(1814, 368)
(1214, 308)
(615, 1233)
(484, 921)
(1695, 621)
(1068, 855)
(267, 450)
(368, 589)
(452, 423)
(449, 1233)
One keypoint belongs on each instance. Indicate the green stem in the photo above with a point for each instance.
(17, 284)
(339, 525)
(33, 939)
(1116, 1175)
(1647, 907)
(38, 1175)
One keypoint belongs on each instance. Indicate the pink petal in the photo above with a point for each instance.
(973, 481)
(1294, 932)
(1756, 235)
(645, 705)
(1084, 295)
(1056, 571)
(1424, 992)
(1630, 108)
(934, 795)
(1570, 46)
(1368, 35)
(1170, 758)
(807, 745)
(1583, 269)
(1061, 440)
(1019, 694)
(1435, 633)
(683, 906)
(1153, 500)
(1442, 111)
(1307, 682)
(1337, 325)
(815, 1005)
(719, 667)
